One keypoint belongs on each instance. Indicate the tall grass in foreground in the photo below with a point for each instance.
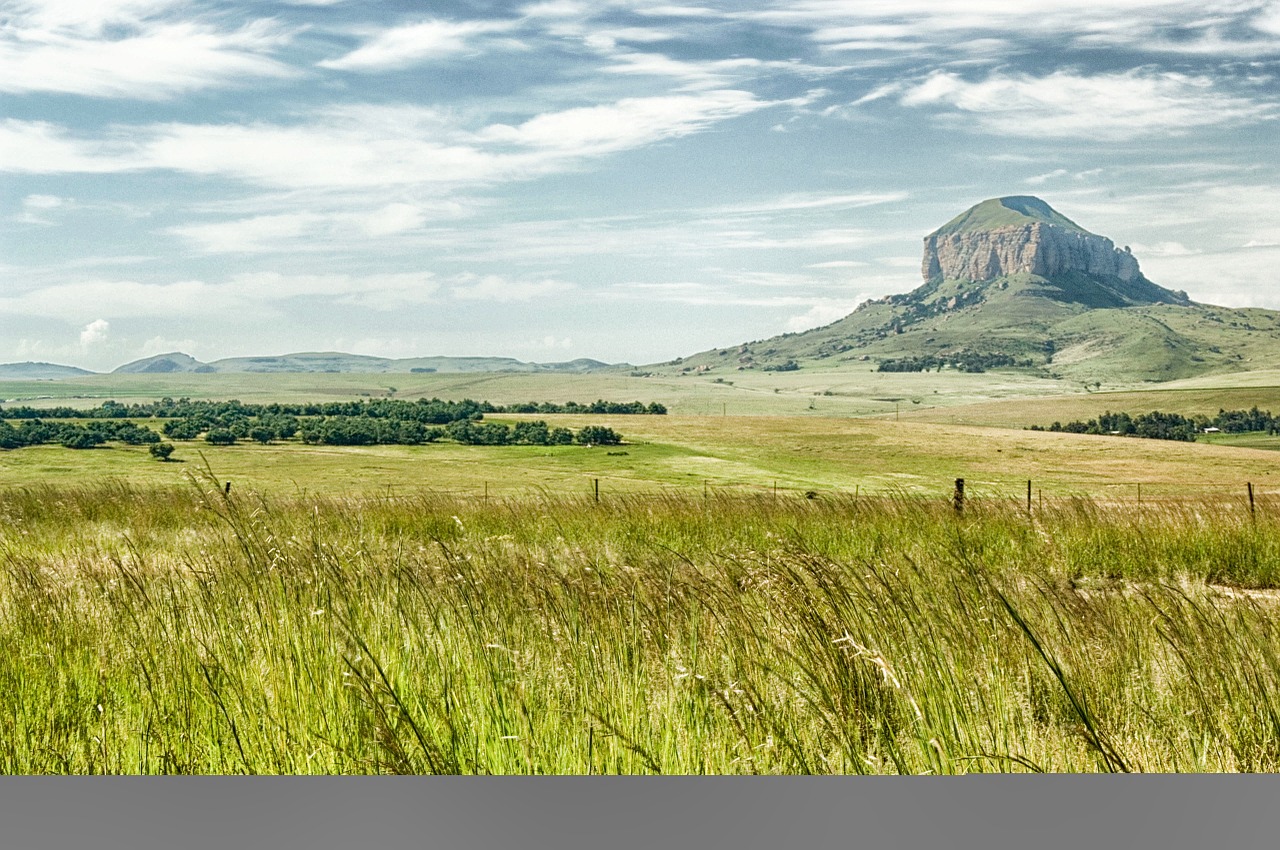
(188, 631)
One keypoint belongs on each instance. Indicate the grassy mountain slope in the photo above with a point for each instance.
(1082, 333)
(1012, 211)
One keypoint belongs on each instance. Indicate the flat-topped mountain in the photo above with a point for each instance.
(1024, 235)
(1013, 283)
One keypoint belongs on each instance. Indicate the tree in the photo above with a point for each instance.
(262, 434)
(220, 437)
(598, 435)
(161, 451)
(83, 439)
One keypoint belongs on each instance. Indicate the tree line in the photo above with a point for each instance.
(964, 361)
(432, 411)
(1158, 425)
(225, 426)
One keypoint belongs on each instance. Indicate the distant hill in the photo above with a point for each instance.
(174, 361)
(333, 361)
(39, 371)
(1012, 283)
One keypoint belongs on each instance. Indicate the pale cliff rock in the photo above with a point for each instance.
(1035, 248)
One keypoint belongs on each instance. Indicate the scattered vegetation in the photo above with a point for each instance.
(964, 361)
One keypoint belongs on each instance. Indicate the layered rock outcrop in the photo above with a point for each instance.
(1034, 248)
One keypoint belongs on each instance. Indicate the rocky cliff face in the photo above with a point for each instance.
(1035, 248)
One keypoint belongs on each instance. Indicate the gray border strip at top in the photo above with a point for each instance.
(1040, 812)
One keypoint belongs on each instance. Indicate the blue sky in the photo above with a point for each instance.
(625, 180)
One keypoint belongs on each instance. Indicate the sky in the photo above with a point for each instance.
(625, 180)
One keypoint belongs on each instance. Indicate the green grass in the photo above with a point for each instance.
(183, 631)
(1012, 211)
(691, 453)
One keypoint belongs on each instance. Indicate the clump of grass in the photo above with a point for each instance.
(198, 631)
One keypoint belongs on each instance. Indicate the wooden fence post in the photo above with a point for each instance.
(957, 500)
(1252, 510)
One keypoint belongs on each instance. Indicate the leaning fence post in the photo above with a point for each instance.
(957, 500)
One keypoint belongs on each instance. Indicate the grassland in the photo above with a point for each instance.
(694, 453)
(467, 609)
(187, 631)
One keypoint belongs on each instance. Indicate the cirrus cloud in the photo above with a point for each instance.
(1066, 104)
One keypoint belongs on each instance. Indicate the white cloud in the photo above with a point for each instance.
(1064, 104)
(403, 46)
(163, 345)
(259, 233)
(1162, 249)
(122, 49)
(333, 230)
(823, 313)
(794, 202)
(35, 208)
(257, 293)
(1268, 20)
(1041, 179)
(1242, 277)
(94, 333)
(498, 288)
(627, 123)
(368, 147)
(930, 28)
(42, 202)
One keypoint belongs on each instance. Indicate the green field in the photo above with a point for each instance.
(693, 453)
(185, 631)
(789, 591)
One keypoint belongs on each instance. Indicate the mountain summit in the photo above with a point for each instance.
(1024, 235)
(1013, 283)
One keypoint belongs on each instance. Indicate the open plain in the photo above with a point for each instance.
(767, 582)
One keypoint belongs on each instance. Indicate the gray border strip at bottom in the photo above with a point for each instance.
(382, 812)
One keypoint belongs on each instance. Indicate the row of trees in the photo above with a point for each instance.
(1158, 425)
(964, 361)
(332, 431)
(357, 431)
(36, 432)
(428, 411)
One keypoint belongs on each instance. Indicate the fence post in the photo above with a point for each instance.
(597, 483)
(1252, 510)
(1028, 495)
(957, 500)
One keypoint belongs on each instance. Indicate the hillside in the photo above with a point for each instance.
(333, 361)
(39, 371)
(1013, 284)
